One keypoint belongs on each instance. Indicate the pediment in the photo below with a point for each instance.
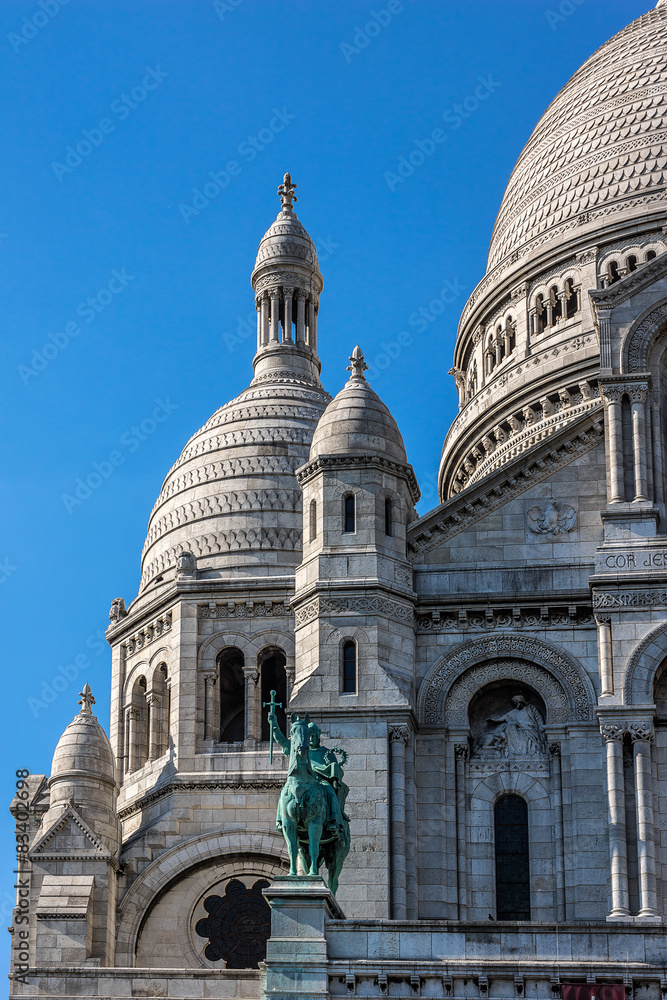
(69, 838)
(495, 490)
(630, 284)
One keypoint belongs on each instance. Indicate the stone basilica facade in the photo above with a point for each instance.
(496, 669)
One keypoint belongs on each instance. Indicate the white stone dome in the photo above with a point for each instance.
(357, 422)
(83, 751)
(599, 151)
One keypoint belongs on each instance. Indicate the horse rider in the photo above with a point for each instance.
(326, 769)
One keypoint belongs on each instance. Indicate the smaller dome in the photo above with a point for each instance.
(357, 422)
(84, 747)
(286, 239)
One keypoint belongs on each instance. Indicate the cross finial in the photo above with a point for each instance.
(86, 700)
(286, 192)
(357, 364)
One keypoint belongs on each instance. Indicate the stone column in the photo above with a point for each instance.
(461, 756)
(290, 672)
(613, 394)
(252, 708)
(642, 736)
(498, 347)
(258, 308)
(638, 394)
(274, 336)
(613, 734)
(210, 714)
(605, 655)
(658, 454)
(132, 717)
(312, 335)
(287, 325)
(398, 741)
(300, 316)
(154, 703)
(559, 850)
(264, 318)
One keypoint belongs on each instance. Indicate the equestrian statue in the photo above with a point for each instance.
(311, 808)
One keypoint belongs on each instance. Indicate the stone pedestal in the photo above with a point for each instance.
(296, 952)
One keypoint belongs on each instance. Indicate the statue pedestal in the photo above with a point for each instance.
(296, 952)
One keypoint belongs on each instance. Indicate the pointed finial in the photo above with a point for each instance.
(86, 700)
(357, 364)
(286, 192)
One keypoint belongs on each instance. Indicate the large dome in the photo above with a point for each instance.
(599, 150)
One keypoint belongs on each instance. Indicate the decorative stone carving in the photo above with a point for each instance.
(399, 734)
(461, 751)
(186, 565)
(518, 732)
(117, 610)
(612, 731)
(641, 339)
(641, 731)
(323, 606)
(556, 616)
(552, 518)
(630, 599)
(474, 664)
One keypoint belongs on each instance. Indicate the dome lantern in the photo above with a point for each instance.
(287, 285)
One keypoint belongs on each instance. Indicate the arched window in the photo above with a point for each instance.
(612, 272)
(556, 305)
(273, 677)
(349, 514)
(650, 255)
(159, 700)
(571, 302)
(512, 859)
(388, 517)
(540, 314)
(313, 520)
(232, 695)
(137, 732)
(349, 667)
(631, 263)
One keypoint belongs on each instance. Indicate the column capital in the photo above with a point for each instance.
(461, 751)
(612, 731)
(641, 732)
(637, 392)
(399, 734)
(555, 749)
(250, 672)
(602, 619)
(612, 393)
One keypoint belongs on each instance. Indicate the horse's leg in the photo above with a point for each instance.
(289, 832)
(314, 837)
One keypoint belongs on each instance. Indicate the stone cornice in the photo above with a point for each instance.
(307, 471)
(251, 781)
(520, 474)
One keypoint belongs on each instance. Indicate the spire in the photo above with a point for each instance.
(86, 700)
(287, 284)
(357, 365)
(286, 192)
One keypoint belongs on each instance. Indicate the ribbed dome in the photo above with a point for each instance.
(286, 238)
(84, 747)
(599, 150)
(357, 422)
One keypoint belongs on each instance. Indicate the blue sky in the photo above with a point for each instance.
(126, 314)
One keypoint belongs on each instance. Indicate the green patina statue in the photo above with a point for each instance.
(311, 809)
